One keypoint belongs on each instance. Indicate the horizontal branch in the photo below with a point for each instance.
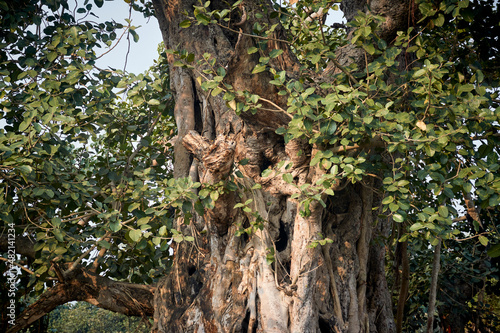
(376, 142)
(81, 285)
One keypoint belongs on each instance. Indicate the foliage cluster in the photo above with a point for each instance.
(82, 317)
(436, 116)
(79, 164)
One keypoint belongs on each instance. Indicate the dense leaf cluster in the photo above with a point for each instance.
(81, 148)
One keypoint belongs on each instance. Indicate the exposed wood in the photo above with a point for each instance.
(471, 208)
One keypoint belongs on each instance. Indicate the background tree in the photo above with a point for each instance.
(76, 161)
(302, 153)
(82, 317)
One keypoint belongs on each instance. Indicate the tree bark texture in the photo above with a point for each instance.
(222, 282)
(436, 264)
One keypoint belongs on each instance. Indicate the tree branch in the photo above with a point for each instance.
(126, 298)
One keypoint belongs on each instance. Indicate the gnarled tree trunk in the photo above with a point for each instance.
(222, 282)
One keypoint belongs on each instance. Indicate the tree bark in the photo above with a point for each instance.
(436, 264)
(223, 283)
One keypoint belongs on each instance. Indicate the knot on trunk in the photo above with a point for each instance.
(217, 157)
(217, 160)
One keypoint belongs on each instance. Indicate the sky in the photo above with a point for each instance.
(143, 53)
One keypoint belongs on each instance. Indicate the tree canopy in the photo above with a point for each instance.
(387, 126)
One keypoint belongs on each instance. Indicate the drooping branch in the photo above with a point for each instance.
(82, 285)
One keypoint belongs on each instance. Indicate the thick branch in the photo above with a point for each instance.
(127, 298)
(217, 157)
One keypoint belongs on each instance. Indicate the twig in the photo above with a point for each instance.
(116, 44)
(128, 37)
(20, 266)
(254, 36)
(471, 237)
(345, 71)
(80, 258)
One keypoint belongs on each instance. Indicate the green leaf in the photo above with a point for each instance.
(398, 218)
(105, 244)
(274, 53)
(216, 91)
(198, 207)
(24, 125)
(258, 69)
(73, 31)
(135, 235)
(483, 240)
(133, 206)
(387, 200)
(59, 234)
(439, 21)
(369, 48)
(417, 226)
(494, 251)
(337, 117)
(52, 56)
(252, 49)
(143, 220)
(315, 160)
(56, 222)
(288, 178)
(134, 34)
(185, 24)
(419, 73)
(266, 173)
(443, 211)
(203, 19)
(115, 226)
(367, 119)
(154, 102)
(25, 169)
